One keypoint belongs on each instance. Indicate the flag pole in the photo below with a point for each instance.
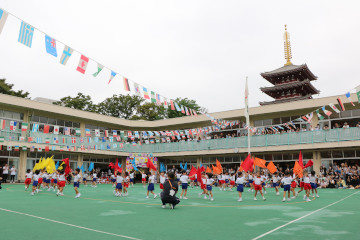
(247, 112)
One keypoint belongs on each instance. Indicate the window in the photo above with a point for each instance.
(267, 122)
(285, 119)
(345, 114)
(325, 154)
(307, 155)
(349, 154)
(337, 154)
(276, 121)
(258, 123)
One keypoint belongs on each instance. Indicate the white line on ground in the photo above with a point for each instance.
(295, 220)
(68, 224)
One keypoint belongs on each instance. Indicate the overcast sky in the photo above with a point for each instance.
(199, 49)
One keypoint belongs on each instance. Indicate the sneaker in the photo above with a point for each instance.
(283, 200)
(304, 198)
(264, 192)
(155, 196)
(61, 194)
(32, 194)
(220, 189)
(230, 190)
(296, 194)
(205, 197)
(79, 195)
(308, 200)
(255, 199)
(313, 196)
(252, 190)
(211, 199)
(171, 206)
(264, 199)
(199, 194)
(147, 196)
(293, 197)
(249, 190)
(317, 195)
(277, 194)
(114, 192)
(240, 200)
(289, 199)
(185, 198)
(49, 190)
(163, 206)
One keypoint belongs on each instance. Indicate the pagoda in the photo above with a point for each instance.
(290, 82)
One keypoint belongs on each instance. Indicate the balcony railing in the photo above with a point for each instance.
(62, 141)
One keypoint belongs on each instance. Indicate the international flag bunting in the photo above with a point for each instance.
(348, 96)
(3, 17)
(328, 113)
(78, 131)
(158, 101)
(46, 129)
(13, 125)
(47, 148)
(320, 117)
(165, 103)
(99, 68)
(172, 106)
(87, 132)
(106, 133)
(67, 131)
(112, 75)
(2, 124)
(39, 149)
(67, 52)
(73, 140)
(83, 62)
(334, 108)
(146, 94)
(114, 133)
(2, 139)
(358, 92)
(24, 148)
(177, 107)
(50, 45)
(126, 84)
(9, 148)
(342, 108)
(97, 133)
(182, 109)
(137, 89)
(26, 34)
(153, 99)
(56, 129)
(186, 110)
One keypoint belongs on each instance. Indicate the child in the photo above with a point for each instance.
(143, 178)
(240, 185)
(28, 177)
(232, 181)
(313, 183)
(40, 180)
(151, 187)
(286, 181)
(132, 178)
(77, 178)
(221, 181)
(301, 186)
(203, 185)
(209, 184)
(251, 182)
(61, 183)
(126, 184)
(227, 180)
(264, 179)
(54, 180)
(35, 178)
(293, 186)
(162, 180)
(258, 180)
(94, 175)
(307, 186)
(113, 180)
(184, 184)
(178, 175)
(119, 182)
(46, 180)
(85, 176)
(275, 180)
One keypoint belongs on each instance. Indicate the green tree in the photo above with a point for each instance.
(184, 102)
(123, 106)
(150, 112)
(6, 88)
(81, 102)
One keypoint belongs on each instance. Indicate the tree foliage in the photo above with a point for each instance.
(6, 88)
(122, 106)
(149, 112)
(81, 102)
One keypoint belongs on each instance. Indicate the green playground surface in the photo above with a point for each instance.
(98, 214)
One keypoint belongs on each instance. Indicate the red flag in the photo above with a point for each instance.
(150, 165)
(46, 128)
(247, 164)
(309, 164)
(111, 165)
(202, 169)
(260, 162)
(218, 165)
(199, 178)
(301, 160)
(67, 164)
(82, 64)
(172, 105)
(341, 104)
(192, 172)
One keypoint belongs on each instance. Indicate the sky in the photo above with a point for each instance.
(201, 50)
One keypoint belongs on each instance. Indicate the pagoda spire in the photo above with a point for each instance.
(287, 47)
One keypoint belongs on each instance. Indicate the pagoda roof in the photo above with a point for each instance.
(290, 69)
(284, 100)
(291, 85)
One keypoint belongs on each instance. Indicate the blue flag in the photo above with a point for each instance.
(91, 166)
(50, 44)
(57, 165)
(26, 34)
(134, 165)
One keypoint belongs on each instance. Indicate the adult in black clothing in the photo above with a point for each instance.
(168, 195)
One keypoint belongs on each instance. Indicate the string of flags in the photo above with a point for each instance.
(25, 37)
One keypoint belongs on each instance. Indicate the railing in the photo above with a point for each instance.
(309, 137)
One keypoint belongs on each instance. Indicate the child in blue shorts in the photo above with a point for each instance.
(209, 183)
(240, 185)
(286, 181)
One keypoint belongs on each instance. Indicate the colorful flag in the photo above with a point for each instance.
(9, 148)
(146, 94)
(114, 133)
(56, 129)
(298, 170)
(24, 148)
(172, 105)
(24, 127)
(50, 45)
(106, 133)
(334, 108)
(137, 89)
(87, 132)
(126, 84)
(342, 108)
(153, 99)
(2, 124)
(2, 139)
(186, 110)
(46, 129)
(13, 125)
(358, 92)
(182, 109)
(83, 62)
(67, 131)
(97, 133)
(177, 107)
(348, 96)
(260, 162)
(67, 52)
(112, 75)
(3, 17)
(320, 117)
(26, 34)
(158, 101)
(271, 167)
(301, 160)
(77, 131)
(99, 68)
(73, 140)
(165, 103)
(328, 113)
